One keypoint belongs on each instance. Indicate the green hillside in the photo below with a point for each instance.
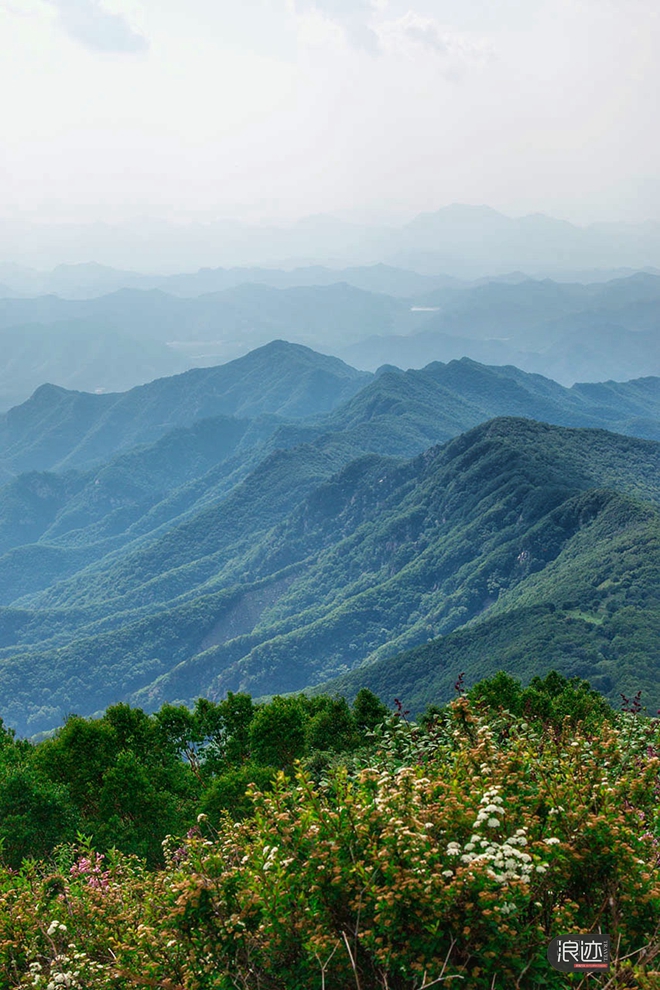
(591, 612)
(396, 412)
(149, 488)
(57, 429)
(87, 505)
(308, 569)
(276, 545)
(398, 409)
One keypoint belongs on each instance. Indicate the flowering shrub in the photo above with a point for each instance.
(453, 853)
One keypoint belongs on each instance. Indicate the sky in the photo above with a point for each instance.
(370, 110)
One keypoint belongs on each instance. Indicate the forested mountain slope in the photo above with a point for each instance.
(78, 517)
(86, 506)
(57, 428)
(592, 612)
(441, 400)
(394, 412)
(300, 574)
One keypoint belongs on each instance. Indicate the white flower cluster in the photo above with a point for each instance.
(270, 852)
(507, 908)
(59, 980)
(59, 976)
(492, 807)
(65, 970)
(507, 860)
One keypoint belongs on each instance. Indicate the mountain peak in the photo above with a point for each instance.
(457, 214)
(297, 353)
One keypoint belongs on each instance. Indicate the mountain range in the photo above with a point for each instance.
(568, 331)
(87, 281)
(285, 521)
(457, 240)
(59, 428)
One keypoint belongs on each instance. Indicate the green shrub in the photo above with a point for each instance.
(451, 852)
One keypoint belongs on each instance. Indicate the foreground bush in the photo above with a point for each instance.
(454, 856)
(129, 778)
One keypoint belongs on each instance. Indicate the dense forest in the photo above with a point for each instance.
(302, 842)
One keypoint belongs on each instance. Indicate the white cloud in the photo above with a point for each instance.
(410, 33)
(364, 25)
(353, 16)
(423, 31)
(86, 22)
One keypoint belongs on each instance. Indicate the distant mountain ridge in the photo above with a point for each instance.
(453, 397)
(119, 338)
(570, 332)
(88, 281)
(79, 354)
(457, 240)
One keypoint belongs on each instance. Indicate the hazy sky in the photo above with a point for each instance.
(274, 109)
